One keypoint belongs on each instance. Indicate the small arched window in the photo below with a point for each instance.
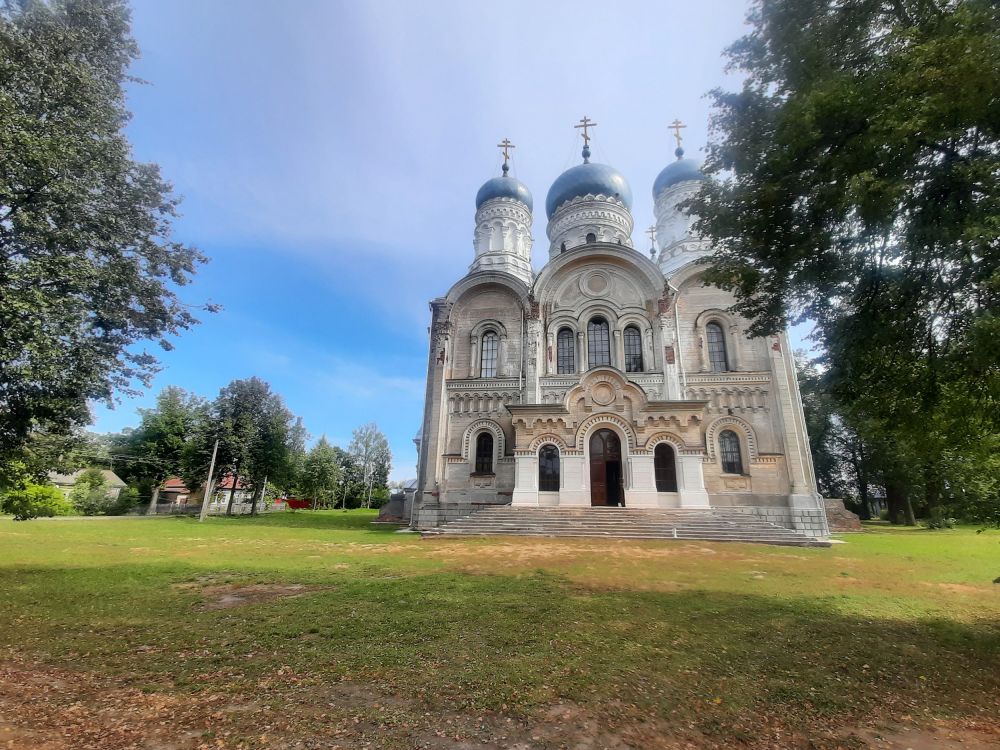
(484, 453)
(633, 350)
(598, 343)
(665, 467)
(565, 352)
(488, 355)
(716, 348)
(548, 469)
(591, 237)
(729, 451)
(562, 248)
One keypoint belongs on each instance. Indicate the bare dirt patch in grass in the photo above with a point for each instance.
(217, 596)
(943, 736)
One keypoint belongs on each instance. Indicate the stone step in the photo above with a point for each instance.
(682, 524)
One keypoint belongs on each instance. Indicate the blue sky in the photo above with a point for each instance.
(329, 154)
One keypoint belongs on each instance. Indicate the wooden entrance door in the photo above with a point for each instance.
(606, 475)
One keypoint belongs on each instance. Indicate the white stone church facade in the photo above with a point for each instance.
(609, 377)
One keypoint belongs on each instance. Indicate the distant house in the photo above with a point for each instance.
(173, 490)
(66, 482)
(243, 494)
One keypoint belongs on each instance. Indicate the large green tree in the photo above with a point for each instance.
(258, 438)
(321, 473)
(369, 450)
(88, 269)
(857, 184)
(155, 449)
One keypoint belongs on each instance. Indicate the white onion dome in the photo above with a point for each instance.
(681, 170)
(587, 179)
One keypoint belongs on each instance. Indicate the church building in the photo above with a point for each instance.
(610, 377)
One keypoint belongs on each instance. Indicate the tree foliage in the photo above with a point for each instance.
(34, 501)
(858, 185)
(370, 451)
(155, 449)
(321, 474)
(87, 264)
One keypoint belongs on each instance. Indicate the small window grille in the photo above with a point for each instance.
(484, 453)
(729, 450)
(633, 350)
(598, 343)
(716, 347)
(488, 358)
(665, 468)
(566, 352)
(548, 469)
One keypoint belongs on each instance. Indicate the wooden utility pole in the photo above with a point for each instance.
(208, 484)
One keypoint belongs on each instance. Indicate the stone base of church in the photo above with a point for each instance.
(811, 521)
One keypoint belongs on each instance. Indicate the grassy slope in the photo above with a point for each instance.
(721, 640)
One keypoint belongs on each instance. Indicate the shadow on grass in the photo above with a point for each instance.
(725, 662)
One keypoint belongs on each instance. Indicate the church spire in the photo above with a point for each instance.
(586, 122)
(676, 126)
(505, 145)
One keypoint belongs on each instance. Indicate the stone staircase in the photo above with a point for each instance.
(687, 524)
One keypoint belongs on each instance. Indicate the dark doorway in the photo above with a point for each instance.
(606, 475)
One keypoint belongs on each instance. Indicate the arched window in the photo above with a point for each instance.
(562, 248)
(565, 352)
(729, 450)
(484, 453)
(591, 237)
(666, 468)
(548, 469)
(716, 347)
(633, 350)
(598, 343)
(488, 356)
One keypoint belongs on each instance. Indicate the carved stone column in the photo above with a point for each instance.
(581, 352)
(473, 356)
(502, 357)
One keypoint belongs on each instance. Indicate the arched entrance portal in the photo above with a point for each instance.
(606, 474)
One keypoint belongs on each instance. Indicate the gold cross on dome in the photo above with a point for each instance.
(585, 123)
(505, 145)
(676, 126)
(652, 235)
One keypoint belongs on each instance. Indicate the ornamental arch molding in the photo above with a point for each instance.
(483, 425)
(489, 324)
(748, 439)
(587, 426)
(547, 439)
(666, 437)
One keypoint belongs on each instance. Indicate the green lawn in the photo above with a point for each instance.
(112, 636)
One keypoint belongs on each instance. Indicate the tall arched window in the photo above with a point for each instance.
(716, 347)
(484, 453)
(548, 469)
(488, 356)
(665, 467)
(598, 343)
(565, 352)
(633, 350)
(729, 450)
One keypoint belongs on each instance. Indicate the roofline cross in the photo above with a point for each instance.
(585, 123)
(505, 145)
(676, 126)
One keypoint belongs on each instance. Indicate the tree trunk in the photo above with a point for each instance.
(256, 498)
(900, 508)
(151, 510)
(911, 519)
(232, 490)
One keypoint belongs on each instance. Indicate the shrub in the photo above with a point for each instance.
(128, 498)
(938, 520)
(90, 494)
(35, 501)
